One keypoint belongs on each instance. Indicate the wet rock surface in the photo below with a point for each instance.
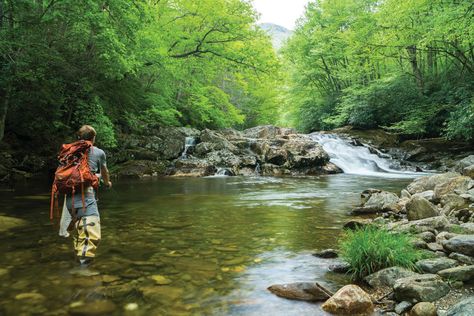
(305, 291)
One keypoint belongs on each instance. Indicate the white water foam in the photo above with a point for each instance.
(359, 160)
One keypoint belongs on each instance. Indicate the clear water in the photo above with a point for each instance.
(220, 241)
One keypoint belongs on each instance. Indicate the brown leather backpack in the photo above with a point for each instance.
(73, 174)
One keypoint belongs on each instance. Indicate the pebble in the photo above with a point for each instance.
(161, 280)
(130, 307)
(30, 296)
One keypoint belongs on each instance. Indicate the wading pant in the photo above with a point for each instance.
(88, 236)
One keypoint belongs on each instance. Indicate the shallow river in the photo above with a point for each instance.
(218, 242)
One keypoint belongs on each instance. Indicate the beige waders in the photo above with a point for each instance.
(88, 236)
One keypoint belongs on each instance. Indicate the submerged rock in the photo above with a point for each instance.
(357, 224)
(326, 253)
(305, 291)
(349, 300)
(102, 307)
(425, 287)
(7, 223)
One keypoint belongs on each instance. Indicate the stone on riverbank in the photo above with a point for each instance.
(403, 307)
(463, 244)
(419, 208)
(305, 291)
(388, 276)
(456, 185)
(422, 225)
(424, 287)
(461, 258)
(349, 300)
(436, 264)
(378, 202)
(461, 273)
(429, 182)
(463, 308)
(424, 309)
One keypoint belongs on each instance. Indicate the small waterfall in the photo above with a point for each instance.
(188, 143)
(359, 159)
(258, 169)
(222, 172)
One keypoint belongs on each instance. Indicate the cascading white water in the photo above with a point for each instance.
(358, 159)
(188, 142)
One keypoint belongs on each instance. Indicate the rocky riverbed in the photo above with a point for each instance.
(438, 210)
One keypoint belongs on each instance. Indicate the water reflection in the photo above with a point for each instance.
(217, 242)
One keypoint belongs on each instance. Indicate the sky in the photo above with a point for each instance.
(281, 12)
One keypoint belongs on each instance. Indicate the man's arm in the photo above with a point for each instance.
(104, 171)
(105, 176)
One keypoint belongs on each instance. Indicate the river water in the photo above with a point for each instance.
(219, 242)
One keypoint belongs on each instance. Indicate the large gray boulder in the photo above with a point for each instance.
(420, 288)
(140, 168)
(268, 131)
(436, 264)
(429, 182)
(388, 276)
(458, 185)
(418, 208)
(468, 171)
(463, 308)
(463, 244)
(461, 273)
(463, 163)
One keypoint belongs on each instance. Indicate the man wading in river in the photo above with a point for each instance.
(77, 178)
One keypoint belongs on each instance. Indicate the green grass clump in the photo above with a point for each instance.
(370, 249)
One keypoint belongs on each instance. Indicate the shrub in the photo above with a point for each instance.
(370, 249)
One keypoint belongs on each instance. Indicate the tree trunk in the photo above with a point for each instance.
(3, 111)
(414, 66)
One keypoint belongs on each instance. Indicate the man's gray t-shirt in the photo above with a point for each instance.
(97, 160)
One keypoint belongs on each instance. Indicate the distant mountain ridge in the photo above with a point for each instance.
(278, 33)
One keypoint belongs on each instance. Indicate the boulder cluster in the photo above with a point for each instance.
(262, 150)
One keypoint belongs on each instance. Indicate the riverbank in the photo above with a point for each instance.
(438, 212)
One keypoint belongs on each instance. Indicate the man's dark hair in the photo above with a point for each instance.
(86, 132)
